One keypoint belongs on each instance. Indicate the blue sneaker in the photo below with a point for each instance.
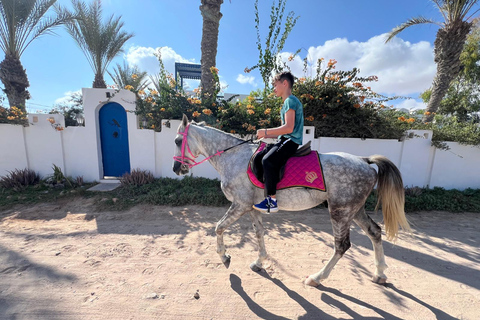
(266, 206)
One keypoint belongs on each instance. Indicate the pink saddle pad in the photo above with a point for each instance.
(305, 172)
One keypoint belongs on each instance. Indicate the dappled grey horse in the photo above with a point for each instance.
(350, 179)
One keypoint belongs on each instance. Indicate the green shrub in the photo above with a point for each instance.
(19, 179)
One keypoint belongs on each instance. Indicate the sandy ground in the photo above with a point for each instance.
(65, 261)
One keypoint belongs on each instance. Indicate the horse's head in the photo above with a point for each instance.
(185, 150)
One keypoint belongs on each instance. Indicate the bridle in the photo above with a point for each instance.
(184, 160)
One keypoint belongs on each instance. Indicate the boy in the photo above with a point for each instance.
(290, 135)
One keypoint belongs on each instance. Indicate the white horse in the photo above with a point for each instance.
(349, 179)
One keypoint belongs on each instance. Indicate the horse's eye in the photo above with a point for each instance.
(178, 142)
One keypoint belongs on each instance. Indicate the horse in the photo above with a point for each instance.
(349, 179)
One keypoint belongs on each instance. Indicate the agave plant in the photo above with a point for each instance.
(448, 46)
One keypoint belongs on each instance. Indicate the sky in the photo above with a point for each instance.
(349, 31)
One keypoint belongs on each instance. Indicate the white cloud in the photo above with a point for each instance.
(411, 104)
(145, 59)
(65, 100)
(402, 68)
(246, 79)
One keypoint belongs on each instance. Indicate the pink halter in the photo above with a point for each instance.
(183, 159)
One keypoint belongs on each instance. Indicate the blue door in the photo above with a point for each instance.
(114, 140)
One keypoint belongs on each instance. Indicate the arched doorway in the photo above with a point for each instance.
(114, 140)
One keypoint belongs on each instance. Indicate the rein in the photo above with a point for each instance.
(182, 159)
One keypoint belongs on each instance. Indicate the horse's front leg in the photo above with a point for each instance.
(259, 232)
(233, 214)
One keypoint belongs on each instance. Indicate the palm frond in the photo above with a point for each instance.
(21, 22)
(100, 41)
(410, 22)
(129, 75)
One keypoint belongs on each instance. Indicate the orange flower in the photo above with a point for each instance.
(310, 118)
(207, 111)
(195, 114)
(268, 111)
(291, 58)
(250, 111)
(331, 63)
(356, 105)
(402, 118)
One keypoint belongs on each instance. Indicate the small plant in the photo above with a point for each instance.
(79, 181)
(19, 179)
(413, 191)
(137, 178)
(58, 178)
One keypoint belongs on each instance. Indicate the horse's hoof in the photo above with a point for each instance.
(379, 280)
(255, 268)
(226, 261)
(310, 282)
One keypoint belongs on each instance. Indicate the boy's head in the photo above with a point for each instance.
(286, 75)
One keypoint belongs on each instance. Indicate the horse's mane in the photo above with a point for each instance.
(205, 125)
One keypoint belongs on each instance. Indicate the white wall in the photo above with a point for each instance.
(77, 150)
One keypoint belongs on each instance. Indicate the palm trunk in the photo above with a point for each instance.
(99, 82)
(15, 80)
(211, 14)
(447, 48)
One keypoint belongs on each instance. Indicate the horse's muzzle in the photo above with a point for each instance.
(179, 168)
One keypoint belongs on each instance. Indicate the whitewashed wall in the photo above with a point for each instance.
(77, 150)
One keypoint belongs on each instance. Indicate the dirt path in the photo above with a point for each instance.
(65, 261)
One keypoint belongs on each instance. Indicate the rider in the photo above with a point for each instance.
(290, 135)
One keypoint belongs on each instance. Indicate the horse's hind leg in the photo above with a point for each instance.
(233, 214)
(259, 232)
(374, 232)
(341, 233)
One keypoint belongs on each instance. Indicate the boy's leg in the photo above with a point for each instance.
(273, 161)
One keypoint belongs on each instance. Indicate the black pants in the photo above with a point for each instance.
(274, 160)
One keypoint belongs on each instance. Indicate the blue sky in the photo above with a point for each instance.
(352, 32)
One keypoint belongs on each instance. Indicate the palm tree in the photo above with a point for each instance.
(126, 75)
(21, 22)
(448, 45)
(100, 42)
(211, 14)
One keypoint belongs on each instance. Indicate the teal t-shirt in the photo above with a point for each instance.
(292, 102)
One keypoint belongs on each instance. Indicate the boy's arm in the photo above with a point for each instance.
(283, 129)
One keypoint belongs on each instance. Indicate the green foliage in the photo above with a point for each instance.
(436, 199)
(167, 191)
(268, 61)
(19, 179)
(58, 178)
(127, 76)
(452, 129)
(137, 178)
(70, 110)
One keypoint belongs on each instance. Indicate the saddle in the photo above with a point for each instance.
(256, 166)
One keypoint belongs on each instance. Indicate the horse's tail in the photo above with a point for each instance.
(391, 195)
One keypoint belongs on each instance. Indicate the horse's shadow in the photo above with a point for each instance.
(312, 311)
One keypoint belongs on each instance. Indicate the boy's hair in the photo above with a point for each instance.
(286, 75)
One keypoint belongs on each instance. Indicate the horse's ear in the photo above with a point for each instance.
(184, 121)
